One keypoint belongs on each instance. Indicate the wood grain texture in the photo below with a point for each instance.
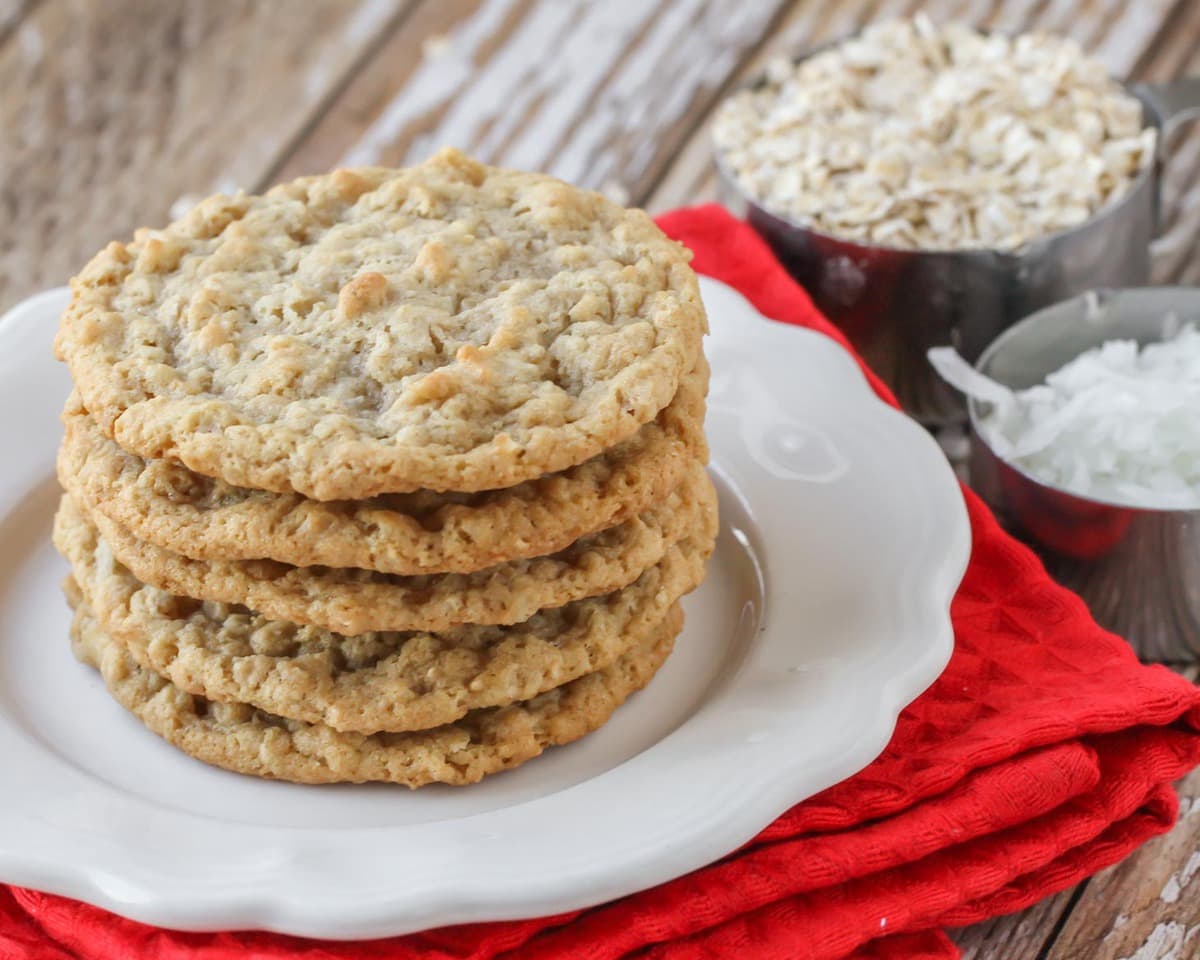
(11, 14)
(1016, 937)
(1147, 907)
(570, 88)
(1175, 253)
(1145, 588)
(111, 111)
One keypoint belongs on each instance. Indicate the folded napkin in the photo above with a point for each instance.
(1044, 753)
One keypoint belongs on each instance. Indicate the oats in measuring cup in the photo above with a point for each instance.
(922, 137)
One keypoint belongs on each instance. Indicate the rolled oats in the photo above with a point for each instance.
(924, 137)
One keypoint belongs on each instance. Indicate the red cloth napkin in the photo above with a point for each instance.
(1044, 753)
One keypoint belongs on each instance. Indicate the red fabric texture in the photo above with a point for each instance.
(1043, 753)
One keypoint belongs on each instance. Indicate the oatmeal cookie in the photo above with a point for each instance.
(375, 681)
(240, 738)
(164, 503)
(351, 601)
(448, 326)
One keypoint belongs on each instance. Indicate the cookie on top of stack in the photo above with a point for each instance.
(387, 475)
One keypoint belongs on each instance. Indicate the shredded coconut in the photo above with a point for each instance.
(1118, 423)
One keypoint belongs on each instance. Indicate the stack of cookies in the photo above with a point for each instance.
(387, 475)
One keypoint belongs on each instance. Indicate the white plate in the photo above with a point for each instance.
(825, 612)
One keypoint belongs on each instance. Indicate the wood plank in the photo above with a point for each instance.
(1188, 274)
(419, 56)
(1022, 935)
(1120, 31)
(11, 14)
(572, 88)
(1175, 252)
(1012, 17)
(1176, 258)
(1174, 49)
(111, 111)
(1147, 907)
(1117, 31)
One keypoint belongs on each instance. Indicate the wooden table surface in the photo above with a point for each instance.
(111, 111)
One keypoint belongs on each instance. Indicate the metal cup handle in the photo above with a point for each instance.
(1172, 103)
(1175, 101)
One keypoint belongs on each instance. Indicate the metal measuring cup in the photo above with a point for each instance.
(894, 304)
(1138, 568)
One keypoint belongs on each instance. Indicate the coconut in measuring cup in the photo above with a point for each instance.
(1086, 441)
